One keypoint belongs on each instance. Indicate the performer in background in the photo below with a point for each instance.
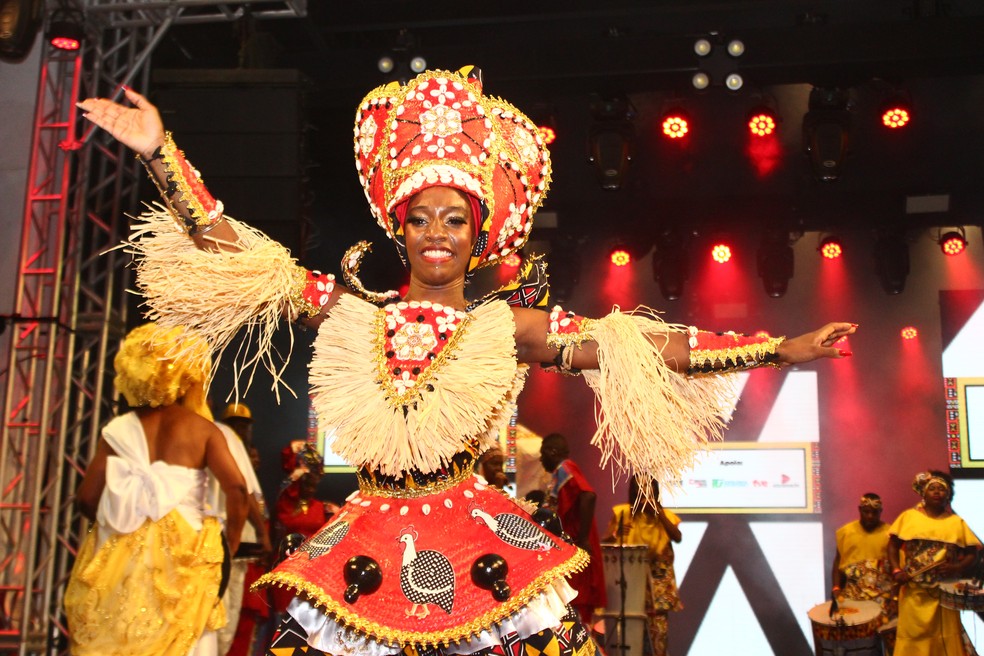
(860, 570)
(147, 576)
(425, 557)
(644, 521)
(930, 543)
(573, 499)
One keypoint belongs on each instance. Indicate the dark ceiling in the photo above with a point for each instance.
(558, 56)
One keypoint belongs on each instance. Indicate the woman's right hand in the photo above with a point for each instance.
(139, 127)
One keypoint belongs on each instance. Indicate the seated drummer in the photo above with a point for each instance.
(861, 571)
(656, 527)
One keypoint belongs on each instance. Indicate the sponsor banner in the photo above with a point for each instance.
(748, 477)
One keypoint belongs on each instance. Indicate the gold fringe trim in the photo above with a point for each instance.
(217, 293)
(472, 397)
(651, 420)
(726, 359)
(395, 637)
(414, 490)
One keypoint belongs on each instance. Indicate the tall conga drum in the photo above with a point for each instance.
(633, 561)
(851, 631)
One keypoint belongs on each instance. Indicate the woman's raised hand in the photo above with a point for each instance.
(816, 345)
(139, 127)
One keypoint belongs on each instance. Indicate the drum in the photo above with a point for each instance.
(635, 564)
(887, 633)
(851, 631)
(961, 595)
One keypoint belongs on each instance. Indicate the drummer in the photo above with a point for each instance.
(860, 571)
(657, 528)
(930, 543)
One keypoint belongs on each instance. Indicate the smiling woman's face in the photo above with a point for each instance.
(439, 235)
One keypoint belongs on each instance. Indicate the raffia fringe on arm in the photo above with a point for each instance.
(217, 293)
(651, 420)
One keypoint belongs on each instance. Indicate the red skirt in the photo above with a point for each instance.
(426, 543)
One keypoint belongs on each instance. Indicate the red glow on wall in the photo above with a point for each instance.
(764, 154)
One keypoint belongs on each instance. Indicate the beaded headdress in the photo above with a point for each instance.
(923, 479)
(439, 130)
(148, 373)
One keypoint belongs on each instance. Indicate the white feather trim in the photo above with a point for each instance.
(474, 388)
(651, 420)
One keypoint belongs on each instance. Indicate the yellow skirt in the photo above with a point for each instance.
(153, 591)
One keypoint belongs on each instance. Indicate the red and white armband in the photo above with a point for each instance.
(311, 292)
(183, 183)
(712, 353)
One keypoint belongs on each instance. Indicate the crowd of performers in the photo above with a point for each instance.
(425, 558)
(903, 565)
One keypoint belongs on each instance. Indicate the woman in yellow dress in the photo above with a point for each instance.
(147, 576)
(930, 543)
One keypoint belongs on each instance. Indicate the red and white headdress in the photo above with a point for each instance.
(439, 130)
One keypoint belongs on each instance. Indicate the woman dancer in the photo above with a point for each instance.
(425, 558)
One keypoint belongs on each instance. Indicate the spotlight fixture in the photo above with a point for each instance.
(610, 140)
(826, 128)
(702, 47)
(734, 81)
(775, 261)
(721, 253)
(402, 61)
(620, 256)
(736, 47)
(953, 242)
(675, 123)
(700, 80)
(670, 260)
(896, 111)
(892, 260)
(547, 133)
(20, 21)
(762, 121)
(831, 247)
(66, 29)
(909, 332)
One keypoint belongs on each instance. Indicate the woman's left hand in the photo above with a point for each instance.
(816, 345)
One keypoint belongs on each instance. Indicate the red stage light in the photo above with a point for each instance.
(762, 333)
(953, 243)
(512, 260)
(548, 134)
(675, 125)
(721, 253)
(762, 124)
(621, 257)
(895, 117)
(831, 248)
(909, 332)
(65, 43)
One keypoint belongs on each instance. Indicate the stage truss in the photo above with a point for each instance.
(70, 306)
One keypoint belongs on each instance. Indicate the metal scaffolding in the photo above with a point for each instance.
(70, 306)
